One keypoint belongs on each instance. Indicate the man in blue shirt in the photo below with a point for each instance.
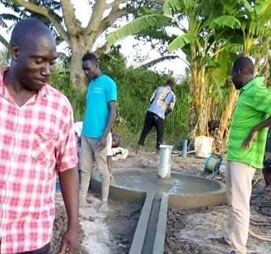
(162, 102)
(99, 117)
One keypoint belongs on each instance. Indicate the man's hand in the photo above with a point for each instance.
(101, 143)
(70, 242)
(168, 110)
(249, 139)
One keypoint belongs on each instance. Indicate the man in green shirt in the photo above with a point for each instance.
(253, 106)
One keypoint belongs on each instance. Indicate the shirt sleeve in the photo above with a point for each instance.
(260, 99)
(171, 101)
(153, 95)
(111, 94)
(66, 153)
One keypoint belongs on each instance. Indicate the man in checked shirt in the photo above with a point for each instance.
(37, 143)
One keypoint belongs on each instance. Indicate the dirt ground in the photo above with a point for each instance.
(188, 232)
(100, 233)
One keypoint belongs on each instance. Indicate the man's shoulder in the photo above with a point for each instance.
(106, 78)
(255, 84)
(255, 91)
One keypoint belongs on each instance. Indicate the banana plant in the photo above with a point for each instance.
(255, 32)
(207, 35)
(3, 18)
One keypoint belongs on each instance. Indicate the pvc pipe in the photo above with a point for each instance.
(184, 149)
(164, 166)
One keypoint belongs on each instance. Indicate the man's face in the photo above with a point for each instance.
(237, 79)
(90, 69)
(34, 62)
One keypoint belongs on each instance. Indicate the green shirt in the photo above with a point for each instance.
(253, 106)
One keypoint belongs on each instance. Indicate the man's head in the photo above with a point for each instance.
(90, 66)
(242, 71)
(170, 83)
(33, 52)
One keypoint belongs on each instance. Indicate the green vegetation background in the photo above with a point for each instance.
(135, 87)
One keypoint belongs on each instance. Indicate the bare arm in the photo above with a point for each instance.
(110, 121)
(69, 183)
(252, 135)
(263, 124)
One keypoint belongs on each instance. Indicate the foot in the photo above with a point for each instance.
(112, 179)
(220, 240)
(139, 149)
(103, 207)
(84, 202)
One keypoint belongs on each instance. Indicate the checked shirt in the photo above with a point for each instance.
(36, 141)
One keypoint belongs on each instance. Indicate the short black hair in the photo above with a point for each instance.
(170, 83)
(90, 57)
(243, 64)
(26, 29)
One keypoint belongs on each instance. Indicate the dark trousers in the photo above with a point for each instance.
(150, 121)
(44, 250)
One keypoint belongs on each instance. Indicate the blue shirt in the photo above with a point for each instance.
(162, 99)
(100, 92)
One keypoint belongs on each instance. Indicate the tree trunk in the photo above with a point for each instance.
(77, 76)
(222, 132)
(200, 102)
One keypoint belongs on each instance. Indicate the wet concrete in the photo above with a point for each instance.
(147, 180)
(179, 191)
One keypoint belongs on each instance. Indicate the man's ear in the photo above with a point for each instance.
(14, 52)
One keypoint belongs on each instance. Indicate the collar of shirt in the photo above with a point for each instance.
(252, 82)
(168, 87)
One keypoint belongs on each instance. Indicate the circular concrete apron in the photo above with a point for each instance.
(185, 191)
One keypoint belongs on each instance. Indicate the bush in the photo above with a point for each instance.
(135, 87)
(60, 80)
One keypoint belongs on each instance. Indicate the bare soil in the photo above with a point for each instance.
(188, 232)
(100, 233)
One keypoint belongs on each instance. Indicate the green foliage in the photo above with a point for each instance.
(173, 6)
(225, 20)
(60, 80)
(3, 57)
(181, 41)
(139, 25)
(135, 87)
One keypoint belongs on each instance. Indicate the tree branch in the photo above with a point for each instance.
(114, 14)
(51, 16)
(116, 3)
(69, 17)
(112, 17)
(96, 17)
(100, 51)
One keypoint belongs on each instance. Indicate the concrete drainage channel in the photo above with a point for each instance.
(157, 195)
(151, 228)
